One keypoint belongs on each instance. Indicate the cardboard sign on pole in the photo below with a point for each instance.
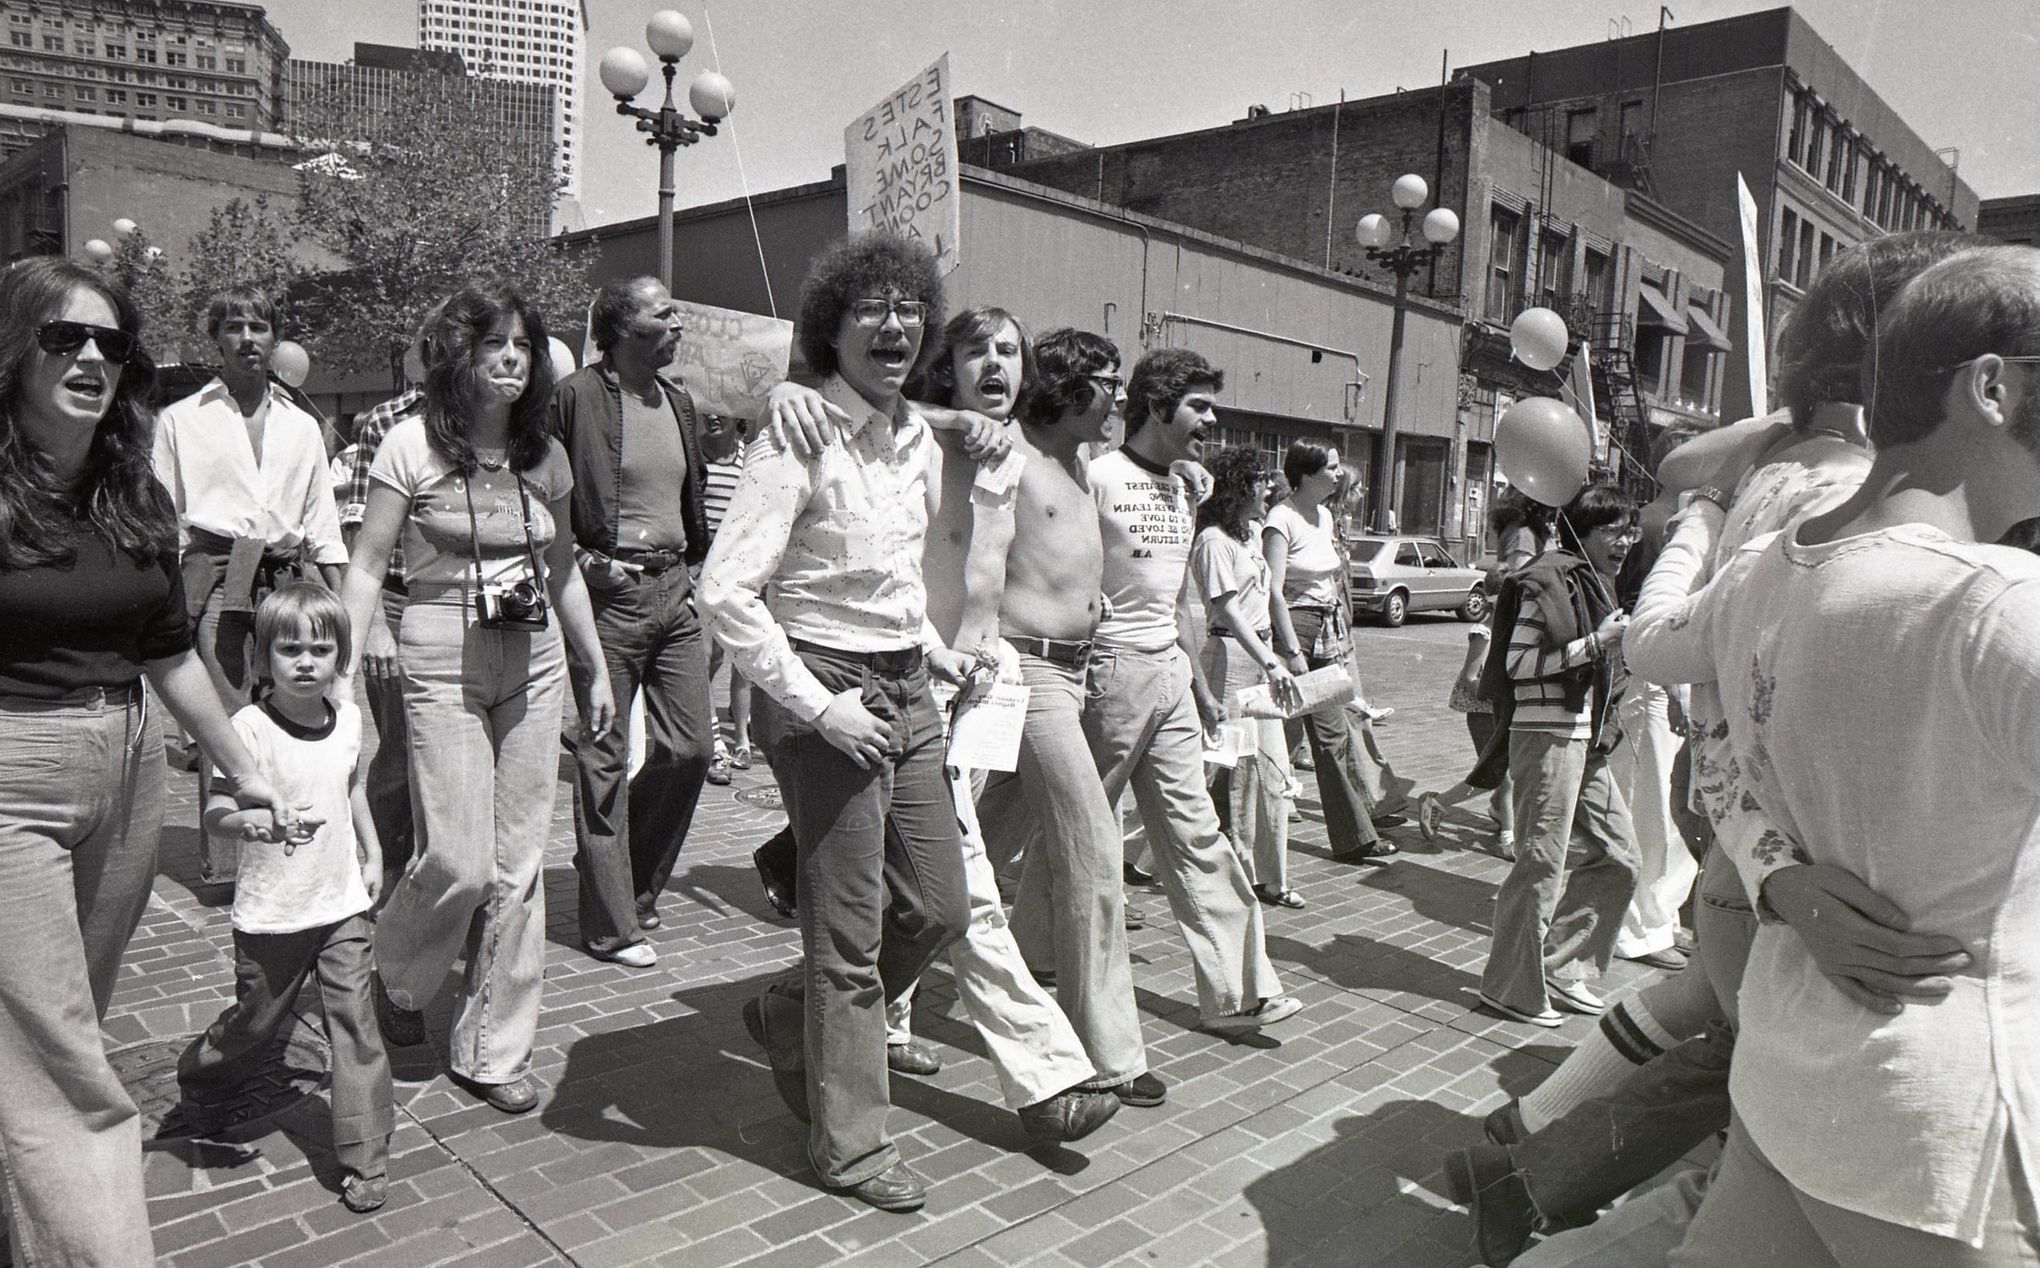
(1755, 349)
(899, 160)
(730, 359)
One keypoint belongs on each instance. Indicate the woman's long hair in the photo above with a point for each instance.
(453, 339)
(117, 491)
(1236, 486)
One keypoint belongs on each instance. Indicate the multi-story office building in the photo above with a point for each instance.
(380, 79)
(2015, 219)
(214, 61)
(1678, 114)
(527, 41)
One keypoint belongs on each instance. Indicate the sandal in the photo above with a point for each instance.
(1429, 811)
(1285, 898)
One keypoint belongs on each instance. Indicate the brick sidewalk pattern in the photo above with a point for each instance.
(660, 1139)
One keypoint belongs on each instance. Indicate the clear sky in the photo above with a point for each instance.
(1963, 73)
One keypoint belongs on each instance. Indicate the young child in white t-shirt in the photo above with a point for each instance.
(301, 904)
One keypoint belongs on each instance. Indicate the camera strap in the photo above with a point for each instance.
(475, 529)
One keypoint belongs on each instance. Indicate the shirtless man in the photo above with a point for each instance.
(978, 374)
(1052, 811)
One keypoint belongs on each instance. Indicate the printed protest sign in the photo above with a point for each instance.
(900, 163)
(729, 359)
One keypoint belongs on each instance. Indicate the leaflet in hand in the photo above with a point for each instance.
(1232, 741)
(1328, 686)
(986, 732)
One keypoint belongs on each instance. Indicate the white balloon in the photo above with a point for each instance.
(124, 226)
(291, 363)
(563, 361)
(1538, 337)
(98, 250)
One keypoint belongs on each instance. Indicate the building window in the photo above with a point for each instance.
(116, 96)
(86, 92)
(1816, 138)
(1554, 267)
(1788, 244)
(1838, 158)
(1504, 271)
(174, 58)
(1849, 176)
(118, 52)
(1803, 272)
(175, 103)
(145, 100)
(21, 39)
(236, 111)
(237, 65)
(147, 55)
(1795, 137)
(53, 43)
(1695, 373)
(1579, 136)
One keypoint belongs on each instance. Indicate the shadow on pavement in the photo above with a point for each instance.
(1385, 1168)
(1378, 968)
(1449, 899)
(698, 1080)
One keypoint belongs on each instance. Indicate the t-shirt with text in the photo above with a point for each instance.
(1145, 517)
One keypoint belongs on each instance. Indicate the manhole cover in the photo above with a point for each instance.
(291, 1070)
(764, 796)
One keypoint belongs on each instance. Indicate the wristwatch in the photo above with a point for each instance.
(1711, 493)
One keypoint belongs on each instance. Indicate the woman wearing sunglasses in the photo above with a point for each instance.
(477, 488)
(94, 602)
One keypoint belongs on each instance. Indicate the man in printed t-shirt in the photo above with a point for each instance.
(1147, 708)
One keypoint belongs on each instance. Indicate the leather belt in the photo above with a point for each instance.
(649, 562)
(1061, 651)
(895, 663)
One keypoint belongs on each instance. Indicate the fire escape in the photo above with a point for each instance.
(1618, 400)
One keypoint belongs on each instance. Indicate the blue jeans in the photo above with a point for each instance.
(388, 778)
(1069, 915)
(270, 969)
(81, 808)
(1144, 732)
(1560, 907)
(881, 894)
(484, 711)
(628, 831)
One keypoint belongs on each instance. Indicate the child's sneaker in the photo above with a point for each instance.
(363, 1194)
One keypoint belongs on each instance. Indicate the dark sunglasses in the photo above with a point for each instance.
(62, 338)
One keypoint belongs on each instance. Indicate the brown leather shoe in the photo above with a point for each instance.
(1484, 1180)
(518, 1096)
(911, 1058)
(1071, 1114)
(896, 1188)
(401, 1027)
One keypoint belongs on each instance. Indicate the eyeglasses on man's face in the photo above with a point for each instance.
(873, 312)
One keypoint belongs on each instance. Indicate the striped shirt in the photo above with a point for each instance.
(1534, 664)
(718, 482)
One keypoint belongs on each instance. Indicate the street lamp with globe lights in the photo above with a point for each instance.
(625, 73)
(1401, 255)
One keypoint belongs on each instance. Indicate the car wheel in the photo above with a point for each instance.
(1475, 607)
(1396, 609)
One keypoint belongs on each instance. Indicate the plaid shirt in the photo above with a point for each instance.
(369, 431)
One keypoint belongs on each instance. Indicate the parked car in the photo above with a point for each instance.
(1394, 576)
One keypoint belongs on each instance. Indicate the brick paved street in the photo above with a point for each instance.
(660, 1139)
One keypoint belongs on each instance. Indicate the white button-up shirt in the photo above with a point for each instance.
(281, 496)
(1883, 715)
(827, 550)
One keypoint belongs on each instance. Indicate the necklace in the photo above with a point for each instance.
(490, 464)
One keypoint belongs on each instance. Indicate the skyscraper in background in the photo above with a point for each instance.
(530, 41)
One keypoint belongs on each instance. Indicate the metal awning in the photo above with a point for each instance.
(1657, 310)
(1704, 332)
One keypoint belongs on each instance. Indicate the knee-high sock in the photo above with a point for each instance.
(1626, 1038)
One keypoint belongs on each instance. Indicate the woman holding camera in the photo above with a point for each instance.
(476, 487)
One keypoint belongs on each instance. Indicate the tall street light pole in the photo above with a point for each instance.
(1403, 256)
(625, 73)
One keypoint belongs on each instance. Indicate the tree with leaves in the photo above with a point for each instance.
(418, 200)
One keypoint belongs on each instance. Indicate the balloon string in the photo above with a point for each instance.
(1573, 398)
(1579, 543)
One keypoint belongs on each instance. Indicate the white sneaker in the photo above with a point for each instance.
(1266, 1013)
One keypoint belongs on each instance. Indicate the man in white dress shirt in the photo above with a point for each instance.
(246, 469)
